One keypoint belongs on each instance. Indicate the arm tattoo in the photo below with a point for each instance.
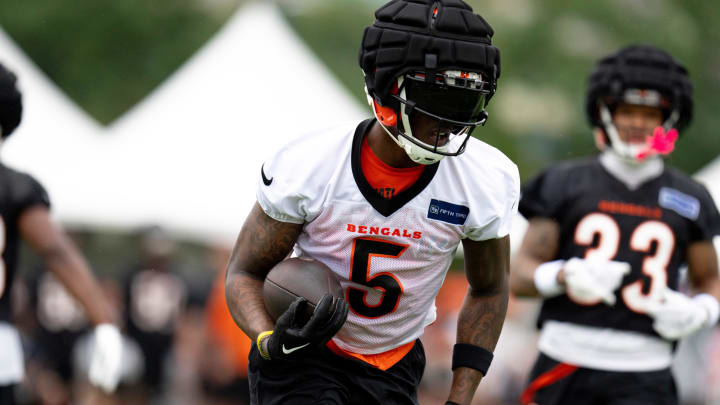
(267, 242)
(262, 243)
(483, 312)
(481, 319)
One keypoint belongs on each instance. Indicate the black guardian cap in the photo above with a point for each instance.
(10, 102)
(640, 67)
(429, 36)
(429, 57)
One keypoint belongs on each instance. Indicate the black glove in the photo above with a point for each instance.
(292, 333)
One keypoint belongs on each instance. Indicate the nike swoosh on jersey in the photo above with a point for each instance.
(288, 351)
(266, 181)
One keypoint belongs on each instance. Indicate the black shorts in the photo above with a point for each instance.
(555, 383)
(236, 390)
(7, 394)
(322, 377)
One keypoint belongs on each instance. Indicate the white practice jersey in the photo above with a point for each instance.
(390, 256)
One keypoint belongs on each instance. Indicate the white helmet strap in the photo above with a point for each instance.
(624, 150)
(629, 152)
(417, 153)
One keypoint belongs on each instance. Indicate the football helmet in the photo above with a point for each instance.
(431, 58)
(640, 75)
(10, 102)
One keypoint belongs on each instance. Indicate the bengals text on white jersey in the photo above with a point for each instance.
(390, 256)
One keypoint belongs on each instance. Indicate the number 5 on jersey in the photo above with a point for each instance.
(364, 250)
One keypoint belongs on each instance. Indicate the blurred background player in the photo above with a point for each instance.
(607, 237)
(378, 203)
(224, 366)
(155, 300)
(58, 323)
(25, 214)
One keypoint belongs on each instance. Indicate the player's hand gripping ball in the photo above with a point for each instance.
(305, 300)
(296, 277)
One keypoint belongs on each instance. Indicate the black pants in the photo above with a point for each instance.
(7, 394)
(322, 377)
(555, 383)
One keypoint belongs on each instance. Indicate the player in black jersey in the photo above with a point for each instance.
(607, 237)
(25, 214)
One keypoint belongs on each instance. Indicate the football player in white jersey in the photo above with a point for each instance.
(385, 203)
(607, 237)
(25, 215)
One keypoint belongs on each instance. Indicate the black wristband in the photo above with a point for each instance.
(466, 355)
(451, 403)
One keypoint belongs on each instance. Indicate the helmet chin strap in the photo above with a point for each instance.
(403, 145)
(669, 123)
(661, 143)
(623, 150)
(409, 148)
(416, 153)
(370, 101)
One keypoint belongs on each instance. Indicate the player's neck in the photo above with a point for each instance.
(633, 175)
(386, 149)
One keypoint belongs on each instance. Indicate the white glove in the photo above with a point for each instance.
(676, 315)
(105, 360)
(591, 281)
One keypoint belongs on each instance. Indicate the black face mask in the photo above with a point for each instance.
(453, 100)
(445, 101)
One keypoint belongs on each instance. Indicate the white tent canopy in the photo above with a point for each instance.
(710, 177)
(187, 157)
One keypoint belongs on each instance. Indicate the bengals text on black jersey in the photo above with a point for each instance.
(649, 227)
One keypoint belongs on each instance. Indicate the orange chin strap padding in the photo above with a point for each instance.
(385, 115)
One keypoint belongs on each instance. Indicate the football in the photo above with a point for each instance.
(296, 277)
